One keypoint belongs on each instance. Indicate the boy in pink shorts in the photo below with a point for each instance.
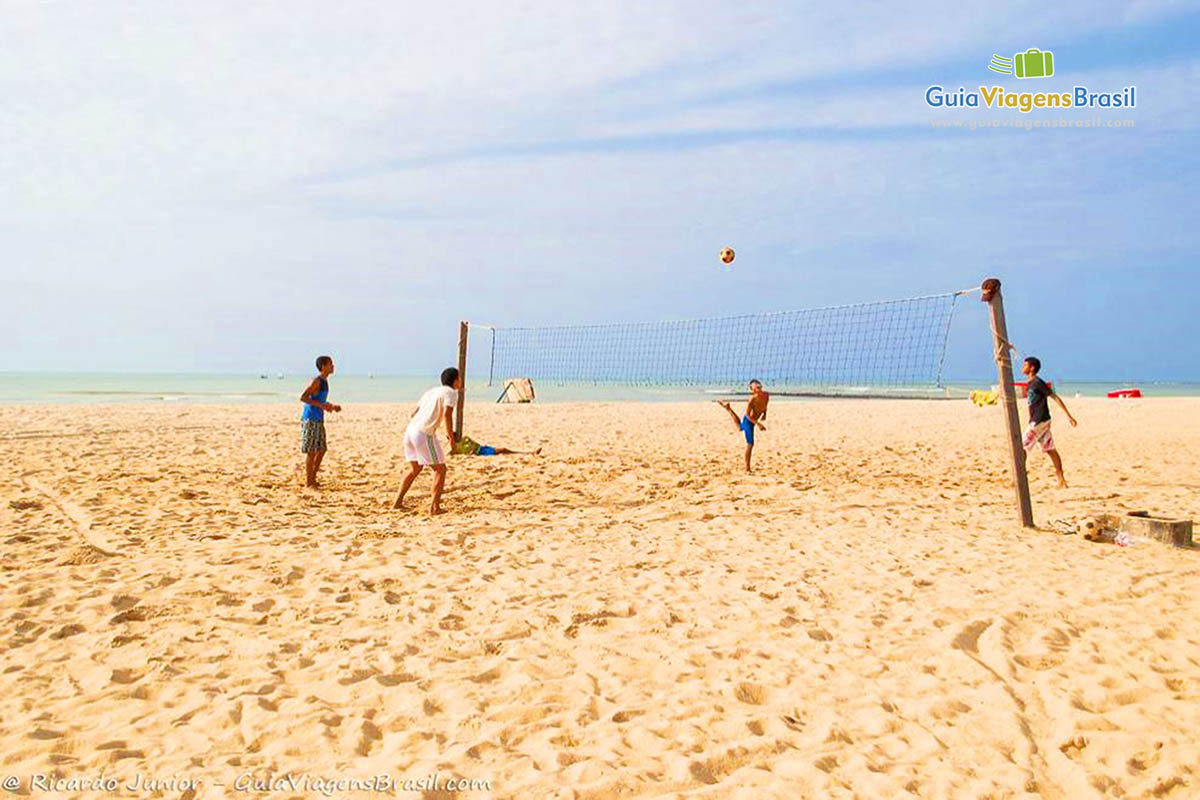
(421, 446)
(1038, 432)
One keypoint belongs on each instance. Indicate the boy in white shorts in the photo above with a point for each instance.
(421, 446)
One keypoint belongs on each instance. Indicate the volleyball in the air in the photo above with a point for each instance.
(726, 255)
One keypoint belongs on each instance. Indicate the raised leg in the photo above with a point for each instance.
(736, 419)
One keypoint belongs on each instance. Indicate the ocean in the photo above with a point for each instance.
(90, 387)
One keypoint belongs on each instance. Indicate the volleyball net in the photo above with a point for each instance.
(892, 347)
(889, 347)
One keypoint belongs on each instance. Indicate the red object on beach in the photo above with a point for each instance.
(1125, 393)
(1022, 387)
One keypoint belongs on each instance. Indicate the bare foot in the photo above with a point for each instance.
(398, 505)
(1062, 483)
(537, 452)
(433, 512)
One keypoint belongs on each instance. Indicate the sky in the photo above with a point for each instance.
(229, 187)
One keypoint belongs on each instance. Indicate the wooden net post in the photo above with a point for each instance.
(462, 374)
(492, 359)
(991, 296)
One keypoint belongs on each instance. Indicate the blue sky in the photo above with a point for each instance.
(212, 187)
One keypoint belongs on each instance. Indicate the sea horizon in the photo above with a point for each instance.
(56, 388)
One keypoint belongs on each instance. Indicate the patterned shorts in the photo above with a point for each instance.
(312, 436)
(1039, 434)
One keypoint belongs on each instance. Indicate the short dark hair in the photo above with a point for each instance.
(323, 360)
(449, 376)
(1034, 362)
(756, 380)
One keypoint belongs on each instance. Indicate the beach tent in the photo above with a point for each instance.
(517, 390)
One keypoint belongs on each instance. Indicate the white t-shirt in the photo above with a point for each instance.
(431, 408)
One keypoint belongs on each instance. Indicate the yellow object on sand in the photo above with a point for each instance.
(984, 397)
(465, 446)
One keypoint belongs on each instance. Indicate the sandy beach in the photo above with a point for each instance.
(626, 615)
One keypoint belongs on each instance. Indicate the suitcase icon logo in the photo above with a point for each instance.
(1033, 63)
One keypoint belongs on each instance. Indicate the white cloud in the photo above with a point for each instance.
(181, 169)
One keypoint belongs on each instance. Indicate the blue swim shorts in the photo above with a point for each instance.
(486, 450)
(748, 429)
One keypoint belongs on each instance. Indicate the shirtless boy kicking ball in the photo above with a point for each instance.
(756, 411)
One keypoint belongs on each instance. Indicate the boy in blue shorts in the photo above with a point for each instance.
(756, 411)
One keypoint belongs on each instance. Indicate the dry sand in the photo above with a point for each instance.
(627, 615)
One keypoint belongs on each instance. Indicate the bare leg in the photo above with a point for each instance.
(439, 481)
(310, 469)
(1062, 482)
(407, 483)
(749, 450)
(317, 464)
(736, 419)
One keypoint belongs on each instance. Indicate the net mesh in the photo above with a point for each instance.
(896, 345)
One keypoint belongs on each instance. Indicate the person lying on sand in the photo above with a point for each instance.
(466, 446)
(756, 411)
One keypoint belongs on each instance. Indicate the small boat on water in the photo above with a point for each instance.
(1121, 393)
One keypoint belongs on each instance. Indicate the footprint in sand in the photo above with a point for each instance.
(25, 504)
(1073, 747)
(948, 710)
(967, 639)
(123, 602)
(125, 676)
(45, 734)
(795, 720)
(1033, 647)
(136, 614)
(750, 693)
(826, 763)
(370, 733)
(67, 630)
